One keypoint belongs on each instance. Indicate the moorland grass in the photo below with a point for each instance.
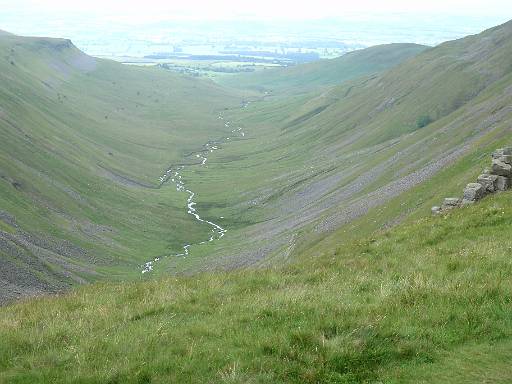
(419, 303)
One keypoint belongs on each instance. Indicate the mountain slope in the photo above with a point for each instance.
(90, 138)
(313, 165)
(313, 76)
(84, 142)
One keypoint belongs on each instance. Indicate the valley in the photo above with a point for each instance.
(115, 217)
(272, 226)
(173, 175)
(311, 161)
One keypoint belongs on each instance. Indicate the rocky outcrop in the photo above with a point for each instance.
(450, 203)
(473, 192)
(488, 182)
(497, 178)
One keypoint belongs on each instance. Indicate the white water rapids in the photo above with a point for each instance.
(173, 174)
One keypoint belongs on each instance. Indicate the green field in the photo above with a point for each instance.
(199, 68)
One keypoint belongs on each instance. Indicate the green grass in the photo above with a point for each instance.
(419, 303)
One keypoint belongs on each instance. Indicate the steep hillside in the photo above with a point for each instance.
(313, 76)
(84, 142)
(361, 155)
(428, 302)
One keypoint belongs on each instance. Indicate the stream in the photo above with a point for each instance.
(173, 175)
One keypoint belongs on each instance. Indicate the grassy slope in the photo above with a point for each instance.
(316, 75)
(306, 165)
(419, 303)
(78, 134)
(310, 165)
(72, 127)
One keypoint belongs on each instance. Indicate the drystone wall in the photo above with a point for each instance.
(494, 179)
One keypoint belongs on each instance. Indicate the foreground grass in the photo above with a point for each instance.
(429, 302)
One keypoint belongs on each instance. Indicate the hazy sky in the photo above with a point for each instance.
(143, 10)
(366, 22)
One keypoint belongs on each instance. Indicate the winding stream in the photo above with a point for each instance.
(173, 175)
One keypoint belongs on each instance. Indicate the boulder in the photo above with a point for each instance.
(507, 159)
(436, 210)
(501, 168)
(451, 202)
(474, 192)
(502, 183)
(503, 154)
(486, 171)
(489, 182)
(507, 151)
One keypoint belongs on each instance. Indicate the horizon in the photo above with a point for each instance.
(108, 28)
(102, 36)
